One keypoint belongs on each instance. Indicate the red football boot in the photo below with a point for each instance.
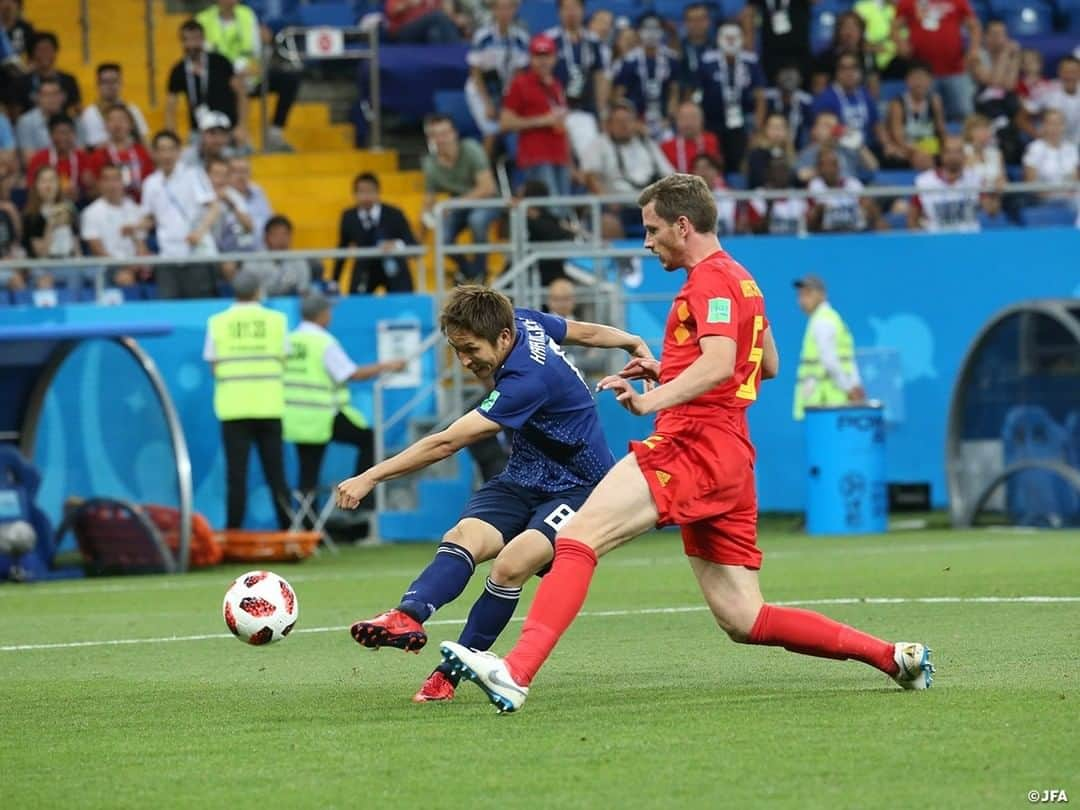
(436, 687)
(390, 629)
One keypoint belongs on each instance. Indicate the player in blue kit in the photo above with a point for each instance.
(558, 455)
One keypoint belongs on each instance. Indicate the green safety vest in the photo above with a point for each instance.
(824, 392)
(232, 43)
(312, 398)
(878, 18)
(249, 347)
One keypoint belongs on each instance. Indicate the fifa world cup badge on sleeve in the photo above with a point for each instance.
(719, 310)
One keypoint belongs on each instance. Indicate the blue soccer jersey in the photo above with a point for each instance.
(539, 396)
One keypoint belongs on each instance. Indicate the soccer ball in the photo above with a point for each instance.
(260, 607)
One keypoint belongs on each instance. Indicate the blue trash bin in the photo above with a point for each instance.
(847, 490)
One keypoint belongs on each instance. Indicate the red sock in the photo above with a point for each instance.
(810, 633)
(558, 600)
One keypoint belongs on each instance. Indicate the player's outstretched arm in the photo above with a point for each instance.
(470, 428)
(601, 336)
(716, 365)
(770, 360)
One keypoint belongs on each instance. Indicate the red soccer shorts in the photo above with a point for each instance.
(706, 487)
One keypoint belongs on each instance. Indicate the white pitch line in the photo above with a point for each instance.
(597, 614)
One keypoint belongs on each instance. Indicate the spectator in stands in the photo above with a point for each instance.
(208, 82)
(785, 34)
(9, 158)
(915, 123)
(1062, 95)
(877, 17)
(697, 39)
(535, 107)
(544, 226)
(561, 300)
(997, 63)
(72, 164)
(10, 231)
(790, 101)
(626, 39)
(19, 32)
(43, 50)
(1052, 158)
(1032, 84)
(601, 22)
(839, 213)
(215, 136)
(233, 30)
(947, 199)
(50, 227)
(732, 86)
(420, 21)
(690, 139)
(32, 128)
(498, 51)
(582, 68)
(459, 168)
(776, 215)
(859, 163)
(373, 223)
(935, 36)
(1002, 106)
(982, 155)
(232, 227)
(623, 161)
(287, 275)
(112, 227)
(648, 78)
(849, 37)
(258, 204)
(772, 143)
(711, 170)
(849, 99)
(123, 150)
(178, 203)
(92, 120)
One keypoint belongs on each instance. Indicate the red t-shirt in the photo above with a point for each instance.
(934, 28)
(528, 97)
(134, 162)
(681, 152)
(69, 167)
(398, 14)
(719, 298)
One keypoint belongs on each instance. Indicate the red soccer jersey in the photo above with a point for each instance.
(934, 29)
(719, 298)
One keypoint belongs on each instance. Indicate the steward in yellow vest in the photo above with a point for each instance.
(233, 30)
(246, 345)
(827, 374)
(317, 409)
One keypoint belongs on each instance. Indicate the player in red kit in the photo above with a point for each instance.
(696, 470)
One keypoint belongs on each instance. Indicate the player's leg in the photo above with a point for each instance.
(619, 509)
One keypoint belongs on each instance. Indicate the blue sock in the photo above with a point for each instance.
(489, 616)
(442, 581)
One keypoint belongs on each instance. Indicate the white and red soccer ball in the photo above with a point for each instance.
(260, 607)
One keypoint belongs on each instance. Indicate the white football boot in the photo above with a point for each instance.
(916, 671)
(487, 671)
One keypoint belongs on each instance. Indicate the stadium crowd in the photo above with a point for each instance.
(905, 93)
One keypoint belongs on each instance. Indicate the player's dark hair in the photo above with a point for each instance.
(682, 195)
(480, 310)
(365, 177)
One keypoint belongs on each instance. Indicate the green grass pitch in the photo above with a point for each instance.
(641, 706)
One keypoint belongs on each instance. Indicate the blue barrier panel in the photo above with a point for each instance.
(847, 491)
(100, 435)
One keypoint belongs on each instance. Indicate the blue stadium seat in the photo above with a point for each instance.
(822, 25)
(981, 9)
(620, 8)
(998, 222)
(149, 290)
(1025, 17)
(1068, 16)
(452, 103)
(538, 15)
(133, 293)
(335, 15)
(730, 9)
(897, 221)
(1035, 216)
(736, 181)
(890, 89)
(895, 177)
(5, 298)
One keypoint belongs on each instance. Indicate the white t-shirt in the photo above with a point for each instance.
(988, 167)
(92, 124)
(627, 167)
(177, 204)
(955, 209)
(1068, 104)
(842, 211)
(1052, 164)
(103, 220)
